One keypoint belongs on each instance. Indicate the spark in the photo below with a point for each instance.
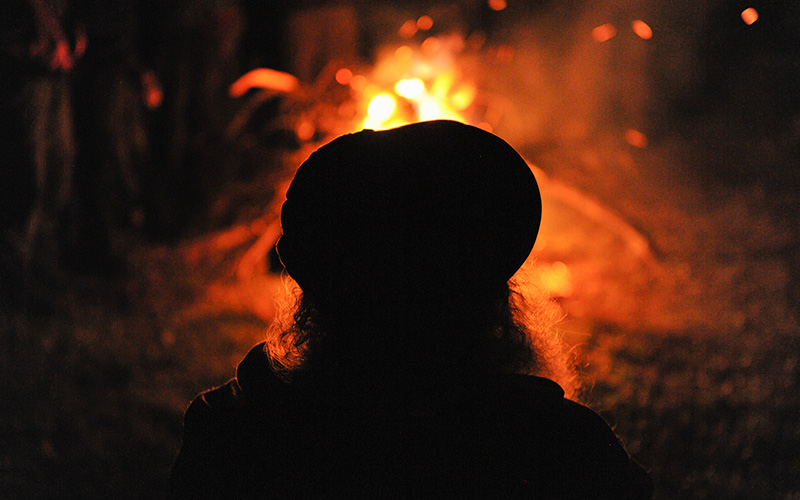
(604, 32)
(635, 138)
(305, 130)
(749, 15)
(642, 29)
(497, 5)
(408, 29)
(425, 23)
(344, 76)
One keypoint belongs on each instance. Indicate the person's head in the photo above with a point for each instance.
(403, 242)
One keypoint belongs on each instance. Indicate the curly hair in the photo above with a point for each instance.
(510, 330)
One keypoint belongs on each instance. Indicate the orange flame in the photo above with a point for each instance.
(418, 85)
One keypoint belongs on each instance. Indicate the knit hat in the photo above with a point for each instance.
(437, 200)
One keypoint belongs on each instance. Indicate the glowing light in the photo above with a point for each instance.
(604, 32)
(153, 97)
(425, 23)
(431, 44)
(504, 54)
(485, 126)
(635, 138)
(497, 4)
(358, 83)
(442, 85)
(556, 279)
(381, 107)
(404, 52)
(642, 29)
(408, 29)
(429, 109)
(372, 124)
(749, 15)
(463, 97)
(264, 78)
(305, 130)
(410, 88)
(344, 76)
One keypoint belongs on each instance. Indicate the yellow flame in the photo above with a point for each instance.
(410, 88)
(463, 96)
(381, 107)
(412, 85)
(429, 109)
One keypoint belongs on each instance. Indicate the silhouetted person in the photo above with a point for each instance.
(404, 373)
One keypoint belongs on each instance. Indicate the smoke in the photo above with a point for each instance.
(582, 72)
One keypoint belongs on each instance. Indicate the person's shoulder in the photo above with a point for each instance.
(254, 382)
(213, 405)
(577, 441)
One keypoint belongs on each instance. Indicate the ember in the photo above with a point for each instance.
(642, 29)
(604, 32)
(749, 16)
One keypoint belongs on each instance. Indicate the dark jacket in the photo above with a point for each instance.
(513, 437)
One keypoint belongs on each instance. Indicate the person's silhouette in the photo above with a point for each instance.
(405, 371)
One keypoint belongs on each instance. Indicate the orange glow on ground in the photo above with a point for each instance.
(749, 15)
(642, 29)
(604, 32)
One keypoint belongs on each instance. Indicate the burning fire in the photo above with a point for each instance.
(421, 80)
(413, 84)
